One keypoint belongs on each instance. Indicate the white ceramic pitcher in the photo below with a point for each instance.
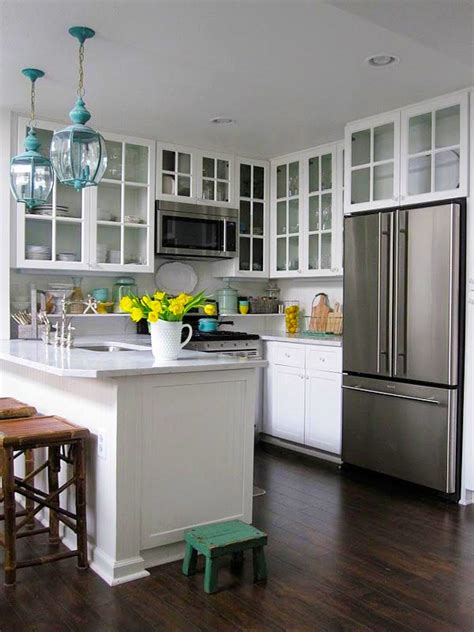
(166, 339)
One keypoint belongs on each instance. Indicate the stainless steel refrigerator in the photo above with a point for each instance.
(402, 325)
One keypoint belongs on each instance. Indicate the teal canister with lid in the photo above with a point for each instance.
(227, 299)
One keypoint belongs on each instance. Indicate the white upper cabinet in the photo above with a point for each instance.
(108, 227)
(54, 236)
(372, 163)
(434, 145)
(215, 184)
(176, 173)
(123, 207)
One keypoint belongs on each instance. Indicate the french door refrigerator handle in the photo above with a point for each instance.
(384, 292)
(415, 399)
(400, 282)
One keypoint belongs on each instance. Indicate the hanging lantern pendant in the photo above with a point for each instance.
(31, 173)
(78, 152)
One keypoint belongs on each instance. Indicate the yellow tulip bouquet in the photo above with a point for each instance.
(161, 306)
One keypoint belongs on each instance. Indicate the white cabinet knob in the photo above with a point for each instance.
(287, 355)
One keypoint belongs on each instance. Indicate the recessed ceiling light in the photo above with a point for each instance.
(381, 60)
(222, 120)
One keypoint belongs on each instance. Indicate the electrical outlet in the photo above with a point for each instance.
(101, 445)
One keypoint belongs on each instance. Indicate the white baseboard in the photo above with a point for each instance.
(296, 447)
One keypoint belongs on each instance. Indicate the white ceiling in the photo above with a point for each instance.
(290, 72)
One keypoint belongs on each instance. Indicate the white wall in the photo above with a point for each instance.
(5, 152)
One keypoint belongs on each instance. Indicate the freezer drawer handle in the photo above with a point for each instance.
(416, 399)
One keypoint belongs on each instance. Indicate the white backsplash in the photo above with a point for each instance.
(304, 291)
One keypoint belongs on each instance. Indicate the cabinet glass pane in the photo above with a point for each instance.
(135, 247)
(313, 252)
(419, 175)
(136, 205)
(419, 133)
(446, 170)
(208, 168)
(360, 154)
(184, 163)
(245, 217)
(114, 160)
(257, 258)
(281, 253)
(258, 218)
(314, 213)
(293, 179)
(223, 169)
(384, 136)
(447, 126)
(68, 241)
(168, 184)
(68, 201)
(109, 244)
(313, 167)
(184, 186)
(326, 211)
(326, 171)
(293, 216)
(169, 158)
(383, 181)
(326, 239)
(109, 202)
(208, 189)
(38, 233)
(222, 191)
(44, 136)
(281, 218)
(245, 180)
(360, 186)
(293, 253)
(244, 253)
(136, 163)
(259, 183)
(281, 181)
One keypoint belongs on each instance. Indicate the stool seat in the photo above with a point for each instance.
(37, 431)
(226, 538)
(11, 408)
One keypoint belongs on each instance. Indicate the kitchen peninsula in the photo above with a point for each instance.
(174, 440)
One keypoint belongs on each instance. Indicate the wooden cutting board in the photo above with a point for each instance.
(337, 320)
(319, 314)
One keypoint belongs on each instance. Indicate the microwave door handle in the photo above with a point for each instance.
(224, 244)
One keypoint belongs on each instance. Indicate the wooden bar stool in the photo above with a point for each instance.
(65, 443)
(10, 409)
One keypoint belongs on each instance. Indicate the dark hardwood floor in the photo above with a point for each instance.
(343, 554)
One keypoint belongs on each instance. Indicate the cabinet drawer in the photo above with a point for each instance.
(289, 355)
(324, 359)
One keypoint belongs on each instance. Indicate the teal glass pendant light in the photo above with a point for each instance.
(78, 152)
(31, 173)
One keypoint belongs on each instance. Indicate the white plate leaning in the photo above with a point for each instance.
(176, 277)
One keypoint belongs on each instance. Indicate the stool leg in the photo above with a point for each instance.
(80, 475)
(190, 560)
(259, 565)
(237, 561)
(9, 509)
(29, 467)
(54, 465)
(210, 575)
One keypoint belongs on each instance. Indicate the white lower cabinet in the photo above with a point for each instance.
(303, 404)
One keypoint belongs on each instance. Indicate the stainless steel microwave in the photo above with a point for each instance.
(196, 231)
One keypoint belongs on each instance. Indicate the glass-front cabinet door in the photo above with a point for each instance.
(215, 185)
(252, 185)
(122, 207)
(286, 198)
(54, 235)
(176, 177)
(321, 212)
(372, 167)
(434, 149)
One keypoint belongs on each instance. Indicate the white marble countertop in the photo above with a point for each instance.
(139, 360)
(324, 340)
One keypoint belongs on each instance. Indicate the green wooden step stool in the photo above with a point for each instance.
(225, 538)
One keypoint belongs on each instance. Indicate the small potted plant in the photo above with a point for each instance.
(165, 314)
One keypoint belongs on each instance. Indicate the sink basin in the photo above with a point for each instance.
(103, 348)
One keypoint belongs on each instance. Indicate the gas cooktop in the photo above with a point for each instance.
(221, 336)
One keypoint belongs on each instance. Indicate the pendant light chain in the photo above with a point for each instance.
(32, 120)
(80, 89)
